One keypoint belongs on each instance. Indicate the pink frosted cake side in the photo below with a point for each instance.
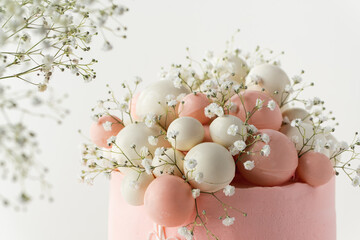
(295, 211)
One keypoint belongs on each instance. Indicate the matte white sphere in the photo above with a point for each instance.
(306, 130)
(191, 132)
(153, 100)
(219, 127)
(294, 113)
(170, 163)
(240, 67)
(135, 133)
(273, 79)
(214, 162)
(134, 185)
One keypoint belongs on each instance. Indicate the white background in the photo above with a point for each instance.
(321, 37)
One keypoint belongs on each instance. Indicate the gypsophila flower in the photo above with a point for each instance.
(249, 165)
(144, 151)
(233, 150)
(195, 193)
(199, 177)
(186, 233)
(232, 130)
(110, 140)
(229, 190)
(358, 170)
(228, 221)
(153, 140)
(240, 145)
(177, 82)
(251, 129)
(123, 106)
(146, 163)
(172, 134)
(271, 105)
(107, 126)
(190, 164)
(297, 79)
(343, 145)
(214, 109)
(265, 151)
(150, 120)
(259, 103)
(356, 181)
(137, 80)
(159, 151)
(296, 122)
(265, 138)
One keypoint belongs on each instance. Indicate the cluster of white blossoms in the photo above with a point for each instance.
(214, 110)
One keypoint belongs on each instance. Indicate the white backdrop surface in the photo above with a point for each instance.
(321, 37)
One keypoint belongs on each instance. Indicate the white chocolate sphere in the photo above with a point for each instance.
(170, 163)
(153, 100)
(191, 132)
(240, 67)
(219, 127)
(306, 130)
(133, 187)
(135, 133)
(214, 162)
(273, 78)
(294, 113)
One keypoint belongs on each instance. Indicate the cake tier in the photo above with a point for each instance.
(295, 211)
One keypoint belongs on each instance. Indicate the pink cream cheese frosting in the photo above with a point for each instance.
(295, 211)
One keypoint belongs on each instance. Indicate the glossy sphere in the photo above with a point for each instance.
(191, 132)
(135, 133)
(315, 169)
(170, 163)
(193, 105)
(214, 162)
(294, 113)
(264, 118)
(99, 135)
(168, 201)
(219, 127)
(133, 187)
(273, 79)
(153, 100)
(277, 168)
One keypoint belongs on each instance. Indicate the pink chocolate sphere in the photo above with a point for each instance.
(315, 169)
(193, 105)
(133, 107)
(98, 133)
(207, 137)
(275, 169)
(265, 118)
(169, 201)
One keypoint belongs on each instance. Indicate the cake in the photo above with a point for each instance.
(227, 150)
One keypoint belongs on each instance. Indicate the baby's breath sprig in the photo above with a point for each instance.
(19, 146)
(38, 37)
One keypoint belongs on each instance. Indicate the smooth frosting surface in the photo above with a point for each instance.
(295, 211)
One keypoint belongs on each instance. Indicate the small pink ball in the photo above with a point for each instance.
(133, 107)
(315, 169)
(265, 118)
(99, 135)
(207, 136)
(169, 201)
(193, 105)
(275, 169)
